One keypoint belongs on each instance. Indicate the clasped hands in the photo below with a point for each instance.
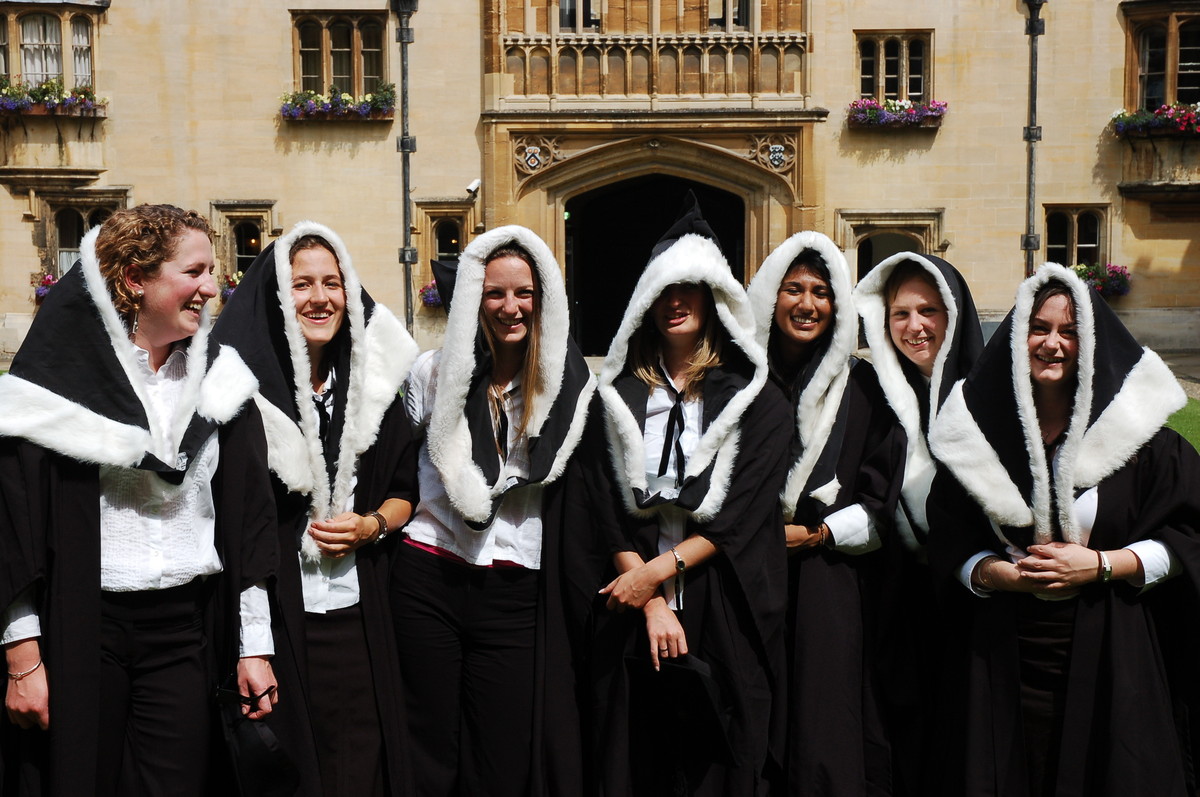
(347, 532)
(637, 588)
(1054, 570)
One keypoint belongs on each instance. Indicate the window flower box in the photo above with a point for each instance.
(872, 114)
(1109, 280)
(303, 106)
(1181, 120)
(50, 99)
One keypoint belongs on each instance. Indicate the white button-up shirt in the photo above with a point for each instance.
(515, 535)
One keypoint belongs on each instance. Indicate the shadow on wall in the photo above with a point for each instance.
(887, 145)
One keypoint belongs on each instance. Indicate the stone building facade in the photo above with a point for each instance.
(587, 120)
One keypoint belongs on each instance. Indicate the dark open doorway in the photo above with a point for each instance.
(610, 232)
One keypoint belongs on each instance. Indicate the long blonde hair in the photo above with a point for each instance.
(532, 384)
(645, 346)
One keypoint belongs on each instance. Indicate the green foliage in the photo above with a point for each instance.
(1187, 422)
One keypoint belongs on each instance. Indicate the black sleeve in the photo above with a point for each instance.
(958, 529)
(758, 474)
(880, 473)
(246, 504)
(22, 517)
(606, 519)
(388, 469)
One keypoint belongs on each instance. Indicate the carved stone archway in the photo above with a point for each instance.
(769, 196)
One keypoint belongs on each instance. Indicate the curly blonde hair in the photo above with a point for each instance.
(142, 236)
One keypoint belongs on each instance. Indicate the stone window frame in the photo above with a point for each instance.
(922, 225)
(12, 41)
(1168, 16)
(358, 78)
(224, 217)
(428, 214)
(1073, 214)
(877, 73)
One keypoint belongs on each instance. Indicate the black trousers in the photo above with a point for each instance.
(345, 715)
(155, 696)
(466, 639)
(1044, 632)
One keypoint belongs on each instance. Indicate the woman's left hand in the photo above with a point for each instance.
(633, 588)
(343, 534)
(801, 538)
(256, 679)
(1059, 567)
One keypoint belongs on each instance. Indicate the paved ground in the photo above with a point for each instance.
(1186, 365)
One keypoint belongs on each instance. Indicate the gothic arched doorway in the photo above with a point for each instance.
(609, 234)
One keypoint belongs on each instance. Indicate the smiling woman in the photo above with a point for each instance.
(838, 497)
(684, 460)
(329, 363)
(920, 323)
(1072, 520)
(477, 591)
(134, 526)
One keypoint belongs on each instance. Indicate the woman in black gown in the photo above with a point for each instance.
(1072, 516)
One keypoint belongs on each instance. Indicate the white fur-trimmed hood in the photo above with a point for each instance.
(449, 435)
(1094, 447)
(919, 468)
(215, 392)
(381, 354)
(691, 259)
(817, 407)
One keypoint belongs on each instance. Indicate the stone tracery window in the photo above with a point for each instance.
(651, 48)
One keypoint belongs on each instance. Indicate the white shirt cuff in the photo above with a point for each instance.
(256, 622)
(964, 573)
(1158, 562)
(853, 530)
(21, 619)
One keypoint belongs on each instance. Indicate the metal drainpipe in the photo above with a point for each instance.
(406, 145)
(1031, 242)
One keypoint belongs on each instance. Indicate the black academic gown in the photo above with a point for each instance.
(50, 511)
(386, 470)
(1131, 686)
(911, 620)
(733, 617)
(836, 741)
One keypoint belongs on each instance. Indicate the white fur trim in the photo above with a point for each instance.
(816, 411)
(958, 442)
(287, 450)
(1090, 452)
(381, 354)
(51, 421)
(1149, 396)
(871, 303)
(1068, 454)
(827, 493)
(448, 433)
(226, 387)
(71, 429)
(698, 260)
